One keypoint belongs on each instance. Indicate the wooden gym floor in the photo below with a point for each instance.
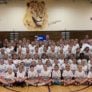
(47, 89)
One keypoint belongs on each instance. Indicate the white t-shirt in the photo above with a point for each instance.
(32, 74)
(89, 66)
(23, 50)
(56, 74)
(12, 66)
(51, 61)
(32, 48)
(61, 61)
(16, 61)
(44, 61)
(21, 75)
(65, 49)
(39, 67)
(57, 49)
(27, 61)
(74, 48)
(73, 67)
(2, 68)
(50, 68)
(63, 66)
(45, 73)
(40, 50)
(89, 75)
(9, 76)
(67, 74)
(80, 74)
(8, 50)
(6, 61)
(35, 60)
(84, 68)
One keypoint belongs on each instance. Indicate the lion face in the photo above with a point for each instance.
(38, 11)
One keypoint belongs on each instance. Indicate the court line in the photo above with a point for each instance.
(49, 90)
(79, 89)
(11, 89)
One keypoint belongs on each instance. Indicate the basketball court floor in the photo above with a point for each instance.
(48, 89)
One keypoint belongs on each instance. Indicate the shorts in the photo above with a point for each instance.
(57, 82)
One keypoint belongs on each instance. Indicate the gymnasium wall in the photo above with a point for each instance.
(63, 15)
(54, 35)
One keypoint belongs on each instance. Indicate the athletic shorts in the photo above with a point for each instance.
(57, 81)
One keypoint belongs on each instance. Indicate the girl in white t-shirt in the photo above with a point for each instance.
(11, 65)
(44, 76)
(73, 66)
(15, 59)
(64, 64)
(84, 66)
(39, 66)
(32, 78)
(49, 65)
(80, 76)
(21, 74)
(56, 75)
(68, 75)
(9, 77)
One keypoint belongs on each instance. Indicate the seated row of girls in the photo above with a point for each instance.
(46, 76)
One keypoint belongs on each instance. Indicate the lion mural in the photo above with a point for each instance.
(36, 15)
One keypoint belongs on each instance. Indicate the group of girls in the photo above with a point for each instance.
(44, 74)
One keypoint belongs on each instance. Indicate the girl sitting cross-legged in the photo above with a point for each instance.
(44, 76)
(56, 75)
(68, 75)
(9, 78)
(32, 76)
(80, 76)
(21, 75)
